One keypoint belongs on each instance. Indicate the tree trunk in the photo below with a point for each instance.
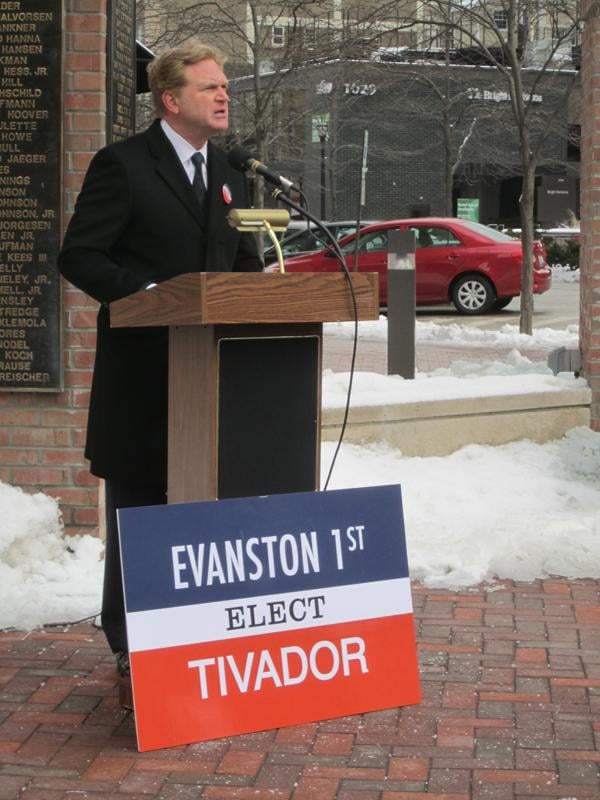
(526, 209)
(258, 186)
(258, 200)
(449, 184)
(448, 165)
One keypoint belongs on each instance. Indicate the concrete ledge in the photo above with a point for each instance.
(438, 427)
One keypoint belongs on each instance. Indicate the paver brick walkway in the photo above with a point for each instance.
(511, 709)
(511, 704)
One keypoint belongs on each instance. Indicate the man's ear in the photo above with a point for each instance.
(169, 99)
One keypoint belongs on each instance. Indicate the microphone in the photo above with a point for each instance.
(240, 158)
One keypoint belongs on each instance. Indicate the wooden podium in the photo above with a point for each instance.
(245, 375)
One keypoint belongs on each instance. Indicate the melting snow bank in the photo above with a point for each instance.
(520, 510)
(45, 576)
(371, 388)
(467, 336)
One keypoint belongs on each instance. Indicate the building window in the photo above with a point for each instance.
(277, 35)
(560, 32)
(500, 19)
(574, 143)
(310, 37)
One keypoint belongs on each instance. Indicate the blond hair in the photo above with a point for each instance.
(166, 71)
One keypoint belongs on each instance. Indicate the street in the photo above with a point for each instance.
(557, 309)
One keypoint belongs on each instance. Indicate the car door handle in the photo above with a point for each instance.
(453, 256)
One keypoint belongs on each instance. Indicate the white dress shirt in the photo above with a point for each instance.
(185, 151)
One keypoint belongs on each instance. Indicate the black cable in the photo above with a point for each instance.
(74, 622)
(57, 624)
(304, 203)
(278, 194)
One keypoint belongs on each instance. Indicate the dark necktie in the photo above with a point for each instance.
(198, 182)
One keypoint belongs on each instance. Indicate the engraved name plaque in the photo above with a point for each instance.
(30, 170)
(121, 70)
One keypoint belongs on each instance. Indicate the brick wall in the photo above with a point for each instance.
(590, 213)
(42, 435)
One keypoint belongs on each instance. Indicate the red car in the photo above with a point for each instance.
(475, 267)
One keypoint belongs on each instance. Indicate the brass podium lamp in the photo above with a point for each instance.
(256, 220)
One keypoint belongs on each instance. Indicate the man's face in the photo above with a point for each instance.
(199, 109)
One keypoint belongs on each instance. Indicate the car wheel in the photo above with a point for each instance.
(473, 294)
(501, 303)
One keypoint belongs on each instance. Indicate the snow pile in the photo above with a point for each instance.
(484, 380)
(44, 576)
(456, 335)
(508, 337)
(564, 274)
(519, 510)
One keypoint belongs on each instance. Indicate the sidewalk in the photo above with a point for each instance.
(371, 355)
(511, 709)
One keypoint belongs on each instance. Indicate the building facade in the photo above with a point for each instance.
(436, 133)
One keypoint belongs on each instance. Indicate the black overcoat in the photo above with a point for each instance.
(136, 221)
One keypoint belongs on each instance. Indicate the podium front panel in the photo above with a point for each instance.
(268, 414)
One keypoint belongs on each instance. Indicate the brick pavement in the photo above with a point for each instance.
(511, 703)
(511, 709)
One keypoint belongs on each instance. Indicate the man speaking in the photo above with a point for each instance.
(151, 207)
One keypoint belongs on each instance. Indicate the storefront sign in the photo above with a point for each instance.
(356, 87)
(496, 96)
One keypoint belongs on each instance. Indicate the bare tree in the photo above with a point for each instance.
(446, 105)
(265, 42)
(508, 50)
(528, 43)
(268, 42)
(502, 34)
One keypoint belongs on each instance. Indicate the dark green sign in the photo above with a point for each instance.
(468, 208)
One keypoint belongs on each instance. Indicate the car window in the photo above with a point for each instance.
(368, 243)
(306, 240)
(435, 237)
(344, 230)
(485, 230)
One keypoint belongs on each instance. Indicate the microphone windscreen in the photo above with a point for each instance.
(239, 158)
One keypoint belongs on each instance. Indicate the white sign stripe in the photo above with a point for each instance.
(254, 616)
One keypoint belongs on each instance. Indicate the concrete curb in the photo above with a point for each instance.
(439, 427)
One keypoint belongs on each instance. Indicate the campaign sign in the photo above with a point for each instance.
(256, 613)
